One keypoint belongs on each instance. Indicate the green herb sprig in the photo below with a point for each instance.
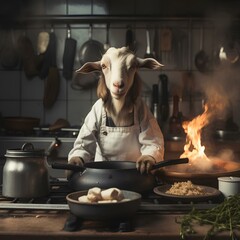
(224, 217)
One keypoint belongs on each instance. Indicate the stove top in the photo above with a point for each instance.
(59, 189)
(56, 203)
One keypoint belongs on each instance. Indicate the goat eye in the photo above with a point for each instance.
(103, 66)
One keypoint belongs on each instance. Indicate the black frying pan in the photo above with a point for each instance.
(104, 211)
(90, 51)
(202, 60)
(120, 174)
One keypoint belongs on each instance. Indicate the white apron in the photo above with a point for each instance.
(118, 143)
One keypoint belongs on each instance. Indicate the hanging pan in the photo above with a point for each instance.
(90, 51)
(69, 56)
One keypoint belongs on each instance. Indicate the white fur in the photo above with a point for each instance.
(119, 67)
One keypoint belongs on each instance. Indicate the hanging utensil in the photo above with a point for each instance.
(9, 56)
(28, 57)
(51, 87)
(42, 42)
(202, 59)
(49, 57)
(148, 53)
(164, 104)
(130, 39)
(156, 44)
(69, 55)
(229, 52)
(166, 45)
(107, 44)
(52, 79)
(90, 51)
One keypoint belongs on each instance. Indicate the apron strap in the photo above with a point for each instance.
(103, 118)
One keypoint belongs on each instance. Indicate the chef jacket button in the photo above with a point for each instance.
(104, 133)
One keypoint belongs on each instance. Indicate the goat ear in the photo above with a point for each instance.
(90, 67)
(150, 63)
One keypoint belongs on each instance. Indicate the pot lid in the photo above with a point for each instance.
(27, 150)
(229, 179)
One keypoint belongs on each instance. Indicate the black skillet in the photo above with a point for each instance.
(120, 174)
(90, 51)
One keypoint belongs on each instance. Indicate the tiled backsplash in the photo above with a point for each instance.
(20, 96)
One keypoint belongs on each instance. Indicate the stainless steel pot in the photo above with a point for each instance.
(25, 173)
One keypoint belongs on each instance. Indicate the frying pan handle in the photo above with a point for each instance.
(170, 162)
(64, 166)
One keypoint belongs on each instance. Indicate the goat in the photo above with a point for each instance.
(119, 126)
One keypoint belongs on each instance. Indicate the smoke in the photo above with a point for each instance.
(225, 160)
(222, 85)
(221, 90)
(226, 155)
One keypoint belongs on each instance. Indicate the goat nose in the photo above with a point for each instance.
(118, 85)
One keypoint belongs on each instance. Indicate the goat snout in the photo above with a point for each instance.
(118, 85)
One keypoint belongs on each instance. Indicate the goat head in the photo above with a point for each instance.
(118, 66)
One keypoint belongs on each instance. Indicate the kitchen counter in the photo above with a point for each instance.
(49, 225)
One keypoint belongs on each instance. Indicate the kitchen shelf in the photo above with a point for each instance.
(83, 19)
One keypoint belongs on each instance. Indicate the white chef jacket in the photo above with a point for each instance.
(98, 142)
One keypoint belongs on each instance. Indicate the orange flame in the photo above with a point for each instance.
(193, 148)
(195, 151)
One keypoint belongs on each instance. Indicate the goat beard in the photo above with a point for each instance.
(122, 116)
